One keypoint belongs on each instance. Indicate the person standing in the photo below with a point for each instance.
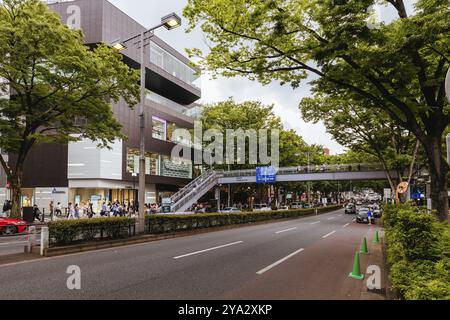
(58, 211)
(51, 209)
(71, 214)
(77, 211)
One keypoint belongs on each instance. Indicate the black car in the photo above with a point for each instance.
(350, 209)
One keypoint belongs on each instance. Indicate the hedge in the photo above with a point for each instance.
(84, 230)
(173, 223)
(417, 252)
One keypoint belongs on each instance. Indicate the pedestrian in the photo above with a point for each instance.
(36, 212)
(58, 211)
(51, 209)
(104, 210)
(77, 211)
(369, 216)
(71, 214)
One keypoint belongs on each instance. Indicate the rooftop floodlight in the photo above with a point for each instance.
(171, 21)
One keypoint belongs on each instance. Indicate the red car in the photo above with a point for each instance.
(12, 226)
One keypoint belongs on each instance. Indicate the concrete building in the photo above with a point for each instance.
(81, 172)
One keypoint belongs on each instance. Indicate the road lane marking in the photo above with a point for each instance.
(346, 225)
(315, 222)
(206, 250)
(329, 234)
(339, 215)
(10, 243)
(331, 218)
(285, 230)
(354, 220)
(262, 271)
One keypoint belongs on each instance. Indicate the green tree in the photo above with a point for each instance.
(61, 91)
(230, 115)
(398, 66)
(366, 131)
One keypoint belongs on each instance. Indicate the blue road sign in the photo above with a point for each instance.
(266, 174)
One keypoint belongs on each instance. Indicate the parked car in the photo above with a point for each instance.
(231, 210)
(296, 205)
(9, 226)
(350, 209)
(307, 206)
(283, 208)
(261, 207)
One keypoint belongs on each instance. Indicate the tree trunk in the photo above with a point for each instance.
(16, 193)
(438, 173)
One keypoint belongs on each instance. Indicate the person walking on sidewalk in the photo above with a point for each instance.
(71, 214)
(58, 209)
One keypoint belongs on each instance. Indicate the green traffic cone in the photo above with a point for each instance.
(364, 247)
(356, 273)
(376, 240)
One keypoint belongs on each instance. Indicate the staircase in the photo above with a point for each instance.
(190, 194)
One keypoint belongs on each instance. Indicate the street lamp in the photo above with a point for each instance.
(170, 22)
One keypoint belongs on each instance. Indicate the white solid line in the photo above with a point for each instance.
(329, 234)
(260, 272)
(346, 225)
(9, 243)
(315, 222)
(206, 250)
(285, 230)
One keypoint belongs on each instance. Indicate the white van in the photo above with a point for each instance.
(261, 207)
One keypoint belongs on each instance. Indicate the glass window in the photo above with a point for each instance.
(152, 162)
(159, 128)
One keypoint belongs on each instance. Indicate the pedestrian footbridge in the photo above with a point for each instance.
(191, 193)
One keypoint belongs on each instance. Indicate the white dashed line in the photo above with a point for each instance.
(346, 225)
(279, 262)
(315, 222)
(329, 234)
(206, 250)
(285, 230)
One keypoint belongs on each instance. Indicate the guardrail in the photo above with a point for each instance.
(358, 167)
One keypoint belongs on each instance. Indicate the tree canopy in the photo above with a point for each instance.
(397, 67)
(60, 89)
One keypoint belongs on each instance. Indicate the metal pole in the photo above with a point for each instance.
(141, 214)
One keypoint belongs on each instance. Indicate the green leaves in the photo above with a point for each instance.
(57, 81)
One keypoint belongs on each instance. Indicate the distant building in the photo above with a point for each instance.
(326, 151)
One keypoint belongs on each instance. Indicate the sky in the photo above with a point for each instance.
(284, 98)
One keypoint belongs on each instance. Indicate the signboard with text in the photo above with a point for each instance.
(266, 175)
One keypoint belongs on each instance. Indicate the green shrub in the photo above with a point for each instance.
(173, 223)
(417, 246)
(83, 230)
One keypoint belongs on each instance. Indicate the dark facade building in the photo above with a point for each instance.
(81, 172)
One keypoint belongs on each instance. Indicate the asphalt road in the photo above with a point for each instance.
(307, 258)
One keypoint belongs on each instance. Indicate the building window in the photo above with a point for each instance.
(152, 162)
(159, 128)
